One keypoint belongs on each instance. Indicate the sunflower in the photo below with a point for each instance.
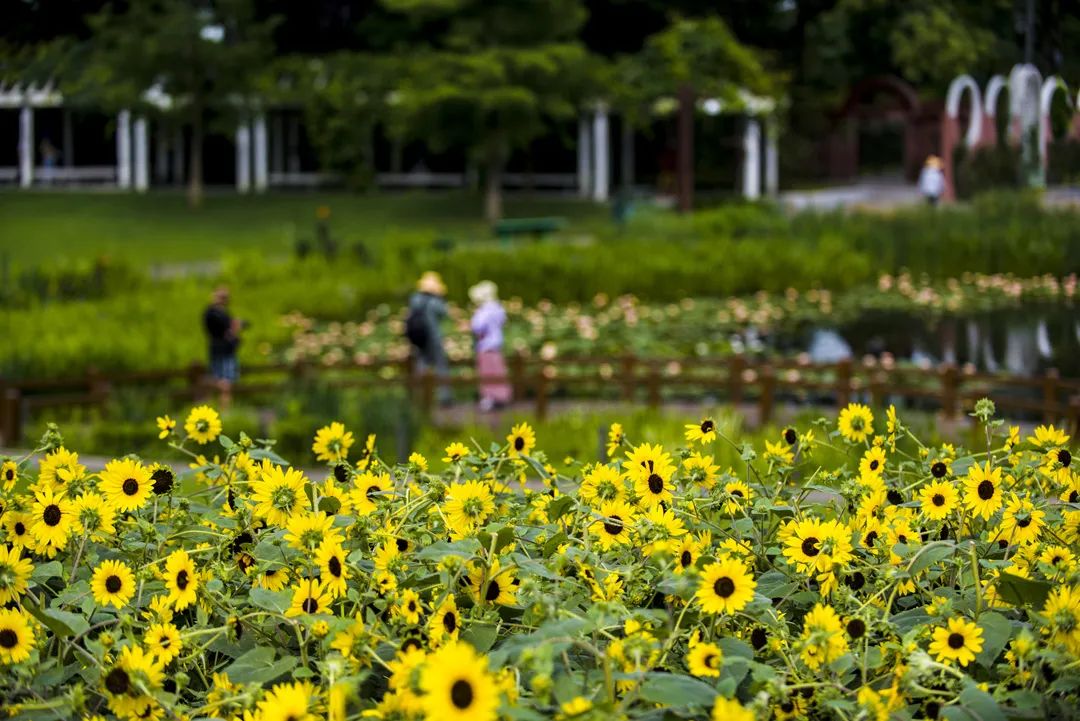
(823, 639)
(872, 462)
(729, 709)
(1062, 613)
(1048, 437)
(445, 623)
(203, 425)
(615, 525)
(16, 636)
(306, 531)
(162, 479)
(14, 573)
(409, 607)
(726, 586)
(856, 423)
(52, 519)
(702, 470)
(274, 579)
(938, 499)
(522, 440)
(704, 659)
(457, 685)
(455, 452)
(738, 495)
(332, 443)
(686, 554)
(494, 585)
(982, 490)
(367, 453)
(333, 570)
(9, 474)
(615, 438)
(278, 494)
(163, 640)
(602, 483)
(181, 580)
(650, 468)
(113, 583)
(779, 453)
(59, 468)
(126, 484)
(467, 506)
(1021, 522)
(288, 702)
(18, 525)
(817, 546)
(94, 516)
(703, 432)
(135, 671)
(309, 596)
(959, 640)
(369, 489)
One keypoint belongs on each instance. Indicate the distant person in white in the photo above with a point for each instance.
(932, 180)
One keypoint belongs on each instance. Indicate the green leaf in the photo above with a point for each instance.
(981, 704)
(930, 554)
(676, 690)
(225, 441)
(45, 571)
(259, 454)
(61, 623)
(733, 647)
(465, 548)
(483, 637)
(996, 632)
(276, 601)
(258, 666)
(1022, 591)
(559, 507)
(504, 538)
(553, 543)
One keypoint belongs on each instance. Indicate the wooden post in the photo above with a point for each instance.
(427, 397)
(1074, 416)
(541, 394)
(768, 390)
(654, 385)
(878, 381)
(628, 381)
(517, 376)
(950, 395)
(735, 372)
(1050, 401)
(843, 382)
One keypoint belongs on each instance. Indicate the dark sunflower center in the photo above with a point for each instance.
(711, 660)
(656, 483)
(311, 604)
(20, 528)
(117, 682)
(402, 545)
(519, 444)
(164, 642)
(449, 621)
(956, 640)
(758, 637)
(493, 591)
(1023, 522)
(686, 559)
(1074, 496)
(791, 436)
(986, 490)
(182, 579)
(113, 584)
(810, 547)
(724, 587)
(9, 474)
(461, 694)
(938, 499)
(334, 566)
(614, 525)
(130, 486)
(874, 465)
(8, 638)
(856, 627)
(163, 480)
(412, 606)
(707, 426)
(938, 470)
(902, 538)
(51, 515)
(737, 493)
(341, 474)
(1064, 457)
(787, 706)
(371, 491)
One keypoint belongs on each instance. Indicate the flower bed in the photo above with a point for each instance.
(909, 580)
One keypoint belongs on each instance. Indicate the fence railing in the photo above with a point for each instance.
(737, 380)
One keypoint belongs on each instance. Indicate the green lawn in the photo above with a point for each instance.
(160, 228)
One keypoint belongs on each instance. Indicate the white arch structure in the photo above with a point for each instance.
(952, 107)
(1046, 96)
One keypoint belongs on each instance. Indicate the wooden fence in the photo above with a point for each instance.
(736, 380)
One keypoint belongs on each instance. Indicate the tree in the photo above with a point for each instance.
(492, 76)
(200, 57)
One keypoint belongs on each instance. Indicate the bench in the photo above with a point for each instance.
(511, 228)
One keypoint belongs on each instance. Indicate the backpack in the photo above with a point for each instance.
(416, 329)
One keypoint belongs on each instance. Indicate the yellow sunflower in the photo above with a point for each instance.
(602, 483)
(445, 622)
(615, 438)
(704, 660)
(959, 640)
(333, 570)
(1021, 523)
(408, 608)
(18, 525)
(650, 468)
(128, 681)
(1062, 613)
(288, 702)
(856, 423)
(203, 425)
(14, 574)
(278, 494)
(52, 519)
(163, 641)
(165, 426)
(369, 489)
(872, 462)
(126, 484)
(306, 531)
(93, 516)
(983, 490)
(332, 443)
(16, 636)
(9, 474)
(455, 452)
(310, 596)
(703, 432)
(492, 585)
(522, 440)
(274, 579)
(729, 709)
(113, 583)
(615, 525)
(467, 506)
(457, 685)
(823, 639)
(181, 580)
(1048, 437)
(726, 586)
(938, 499)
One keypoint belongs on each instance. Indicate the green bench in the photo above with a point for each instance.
(510, 228)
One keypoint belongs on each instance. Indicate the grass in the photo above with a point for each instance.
(39, 227)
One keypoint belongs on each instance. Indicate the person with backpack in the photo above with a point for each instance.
(427, 308)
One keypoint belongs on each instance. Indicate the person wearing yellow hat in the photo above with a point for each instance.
(427, 308)
(932, 180)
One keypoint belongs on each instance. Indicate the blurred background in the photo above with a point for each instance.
(747, 209)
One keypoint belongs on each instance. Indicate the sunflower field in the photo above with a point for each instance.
(904, 582)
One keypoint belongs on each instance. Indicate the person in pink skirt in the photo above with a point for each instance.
(487, 327)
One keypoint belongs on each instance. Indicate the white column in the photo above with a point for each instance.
(243, 158)
(752, 160)
(772, 158)
(26, 147)
(258, 133)
(583, 157)
(142, 156)
(123, 149)
(601, 154)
